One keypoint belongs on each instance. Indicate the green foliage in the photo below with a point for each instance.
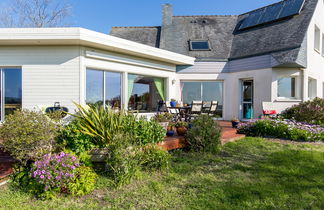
(70, 137)
(181, 124)
(310, 111)
(286, 129)
(163, 117)
(122, 161)
(153, 157)
(204, 134)
(99, 122)
(85, 179)
(102, 125)
(28, 135)
(142, 130)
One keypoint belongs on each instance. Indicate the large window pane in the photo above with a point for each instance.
(145, 92)
(312, 88)
(94, 87)
(203, 91)
(12, 90)
(287, 87)
(113, 89)
(191, 91)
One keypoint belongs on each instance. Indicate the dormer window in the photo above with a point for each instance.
(199, 45)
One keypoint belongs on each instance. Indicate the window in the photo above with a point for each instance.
(145, 93)
(203, 91)
(287, 87)
(11, 88)
(103, 86)
(312, 88)
(323, 44)
(317, 39)
(199, 45)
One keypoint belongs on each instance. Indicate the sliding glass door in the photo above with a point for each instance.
(203, 91)
(10, 91)
(103, 87)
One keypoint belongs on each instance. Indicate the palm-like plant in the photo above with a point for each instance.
(99, 122)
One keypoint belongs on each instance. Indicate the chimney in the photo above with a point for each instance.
(166, 14)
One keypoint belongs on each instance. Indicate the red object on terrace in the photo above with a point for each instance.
(269, 112)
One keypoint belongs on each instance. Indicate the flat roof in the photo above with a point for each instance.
(85, 37)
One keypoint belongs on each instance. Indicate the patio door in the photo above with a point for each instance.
(10, 91)
(247, 99)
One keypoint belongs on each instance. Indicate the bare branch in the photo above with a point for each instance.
(35, 13)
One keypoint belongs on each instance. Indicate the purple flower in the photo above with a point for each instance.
(42, 176)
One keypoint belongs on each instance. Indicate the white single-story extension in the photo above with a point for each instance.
(209, 58)
(41, 66)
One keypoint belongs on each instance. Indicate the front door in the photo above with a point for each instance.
(247, 99)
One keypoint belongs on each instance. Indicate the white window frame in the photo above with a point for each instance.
(312, 90)
(317, 39)
(295, 97)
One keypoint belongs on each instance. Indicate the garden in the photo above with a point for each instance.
(58, 157)
(101, 158)
(302, 122)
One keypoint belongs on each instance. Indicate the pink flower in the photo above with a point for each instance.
(42, 176)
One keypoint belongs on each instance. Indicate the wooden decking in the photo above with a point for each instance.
(228, 135)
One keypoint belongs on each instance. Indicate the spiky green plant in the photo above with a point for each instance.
(99, 122)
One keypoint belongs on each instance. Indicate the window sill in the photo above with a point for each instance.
(288, 100)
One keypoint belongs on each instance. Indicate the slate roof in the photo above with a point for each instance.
(284, 40)
(149, 35)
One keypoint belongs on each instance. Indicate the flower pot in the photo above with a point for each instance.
(170, 133)
(164, 125)
(173, 103)
(182, 131)
(235, 124)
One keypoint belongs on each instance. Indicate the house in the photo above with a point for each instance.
(41, 66)
(271, 54)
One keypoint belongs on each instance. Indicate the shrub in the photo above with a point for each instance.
(287, 129)
(28, 135)
(122, 161)
(85, 179)
(310, 111)
(163, 117)
(153, 157)
(70, 137)
(55, 171)
(103, 124)
(204, 134)
(143, 131)
(99, 122)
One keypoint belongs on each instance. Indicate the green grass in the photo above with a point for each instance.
(249, 174)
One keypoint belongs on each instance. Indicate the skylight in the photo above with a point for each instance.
(199, 45)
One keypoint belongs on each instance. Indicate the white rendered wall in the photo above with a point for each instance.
(49, 74)
(315, 61)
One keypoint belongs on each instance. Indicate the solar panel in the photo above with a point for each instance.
(291, 7)
(271, 13)
(252, 19)
(286, 8)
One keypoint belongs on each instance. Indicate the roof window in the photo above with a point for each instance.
(199, 45)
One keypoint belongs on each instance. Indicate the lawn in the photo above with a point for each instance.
(249, 174)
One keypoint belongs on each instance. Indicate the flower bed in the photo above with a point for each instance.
(287, 129)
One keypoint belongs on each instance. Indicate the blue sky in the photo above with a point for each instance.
(101, 15)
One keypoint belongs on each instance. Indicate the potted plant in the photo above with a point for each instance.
(173, 103)
(170, 129)
(163, 119)
(181, 127)
(235, 122)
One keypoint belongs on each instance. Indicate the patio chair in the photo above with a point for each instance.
(196, 109)
(173, 111)
(213, 108)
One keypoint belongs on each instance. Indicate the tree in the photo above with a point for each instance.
(35, 13)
